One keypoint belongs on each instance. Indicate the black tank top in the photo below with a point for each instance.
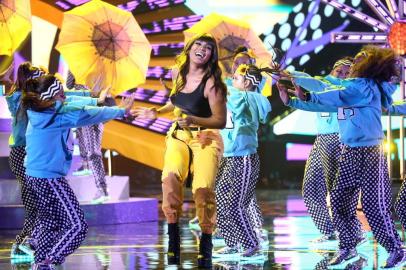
(194, 103)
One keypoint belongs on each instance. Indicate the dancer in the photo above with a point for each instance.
(242, 56)
(362, 164)
(239, 168)
(322, 164)
(201, 94)
(89, 138)
(17, 154)
(399, 108)
(61, 225)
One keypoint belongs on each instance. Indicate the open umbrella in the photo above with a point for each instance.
(99, 39)
(15, 24)
(230, 34)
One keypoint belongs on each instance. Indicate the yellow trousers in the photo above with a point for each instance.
(205, 160)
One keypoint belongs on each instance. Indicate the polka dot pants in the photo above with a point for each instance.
(254, 211)
(61, 226)
(16, 160)
(90, 138)
(365, 169)
(400, 205)
(235, 190)
(320, 173)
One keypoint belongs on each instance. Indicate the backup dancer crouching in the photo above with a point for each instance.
(61, 224)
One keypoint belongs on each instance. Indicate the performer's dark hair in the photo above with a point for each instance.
(212, 66)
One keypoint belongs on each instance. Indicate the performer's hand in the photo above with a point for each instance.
(167, 88)
(143, 112)
(103, 94)
(127, 103)
(283, 93)
(185, 121)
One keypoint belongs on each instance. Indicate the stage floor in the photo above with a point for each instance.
(142, 246)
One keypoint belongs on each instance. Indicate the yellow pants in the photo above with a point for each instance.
(205, 160)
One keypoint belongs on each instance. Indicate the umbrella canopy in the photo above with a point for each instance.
(230, 34)
(99, 39)
(15, 24)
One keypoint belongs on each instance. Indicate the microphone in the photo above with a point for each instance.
(178, 113)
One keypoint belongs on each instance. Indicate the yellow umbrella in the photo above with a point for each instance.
(230, 34)
(99, 38)
(15, 24)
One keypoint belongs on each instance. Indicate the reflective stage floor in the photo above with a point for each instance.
(142, 246)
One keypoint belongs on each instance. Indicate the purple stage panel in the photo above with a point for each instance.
(134, 210)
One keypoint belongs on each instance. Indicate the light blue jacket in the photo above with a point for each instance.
(20, 120)
(49, 155)
(245, 110)
(326, 119)
(359, 102)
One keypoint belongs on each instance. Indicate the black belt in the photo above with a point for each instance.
(190, 128)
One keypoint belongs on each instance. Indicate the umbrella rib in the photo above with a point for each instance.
(8, 30)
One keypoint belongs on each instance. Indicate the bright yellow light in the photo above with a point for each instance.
(388, 147)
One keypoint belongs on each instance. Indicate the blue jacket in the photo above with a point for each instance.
(397, 108)
(326, 119)
(244, 112)
(359, 102)
(19, 123)
(49, 155)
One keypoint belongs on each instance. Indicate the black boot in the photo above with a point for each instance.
(174, 244)
(205, 249)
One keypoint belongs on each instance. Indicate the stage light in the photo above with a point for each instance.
(356, 3)
(299, 19)
(317, 34)
(315, 22)
(286, 44)
(304, 59)
(302, 35)
(313, 8)
(318, 49)
(298, 7)
(284, 31)
(328, 11)
(397, 39)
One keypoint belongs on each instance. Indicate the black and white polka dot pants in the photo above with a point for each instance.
(320, 173)
(400, 204)
(90, 138)
(61, 223)
(365, 169)
(254, 211)
(235, 190)
(16, 159)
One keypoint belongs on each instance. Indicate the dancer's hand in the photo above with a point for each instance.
(103, 94)
(127, 103)
(184, 121)
(146, 113)
(283, 93)
(298, 92)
